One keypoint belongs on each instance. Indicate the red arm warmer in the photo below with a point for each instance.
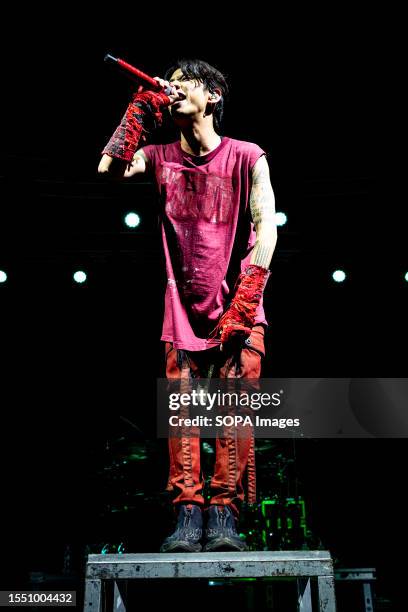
(239, 318)
(144, 110)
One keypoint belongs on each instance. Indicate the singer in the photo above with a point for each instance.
(218, 227)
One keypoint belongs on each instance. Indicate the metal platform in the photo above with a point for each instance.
(365, 575)
(302, 565)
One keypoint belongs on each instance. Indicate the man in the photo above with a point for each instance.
(219, 233)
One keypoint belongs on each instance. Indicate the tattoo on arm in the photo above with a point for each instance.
(262, 205)
(140, 153)
(138, 164)
(262, 255)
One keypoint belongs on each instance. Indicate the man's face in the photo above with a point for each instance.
(194, 97)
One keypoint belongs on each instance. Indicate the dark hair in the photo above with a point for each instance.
(211, 79)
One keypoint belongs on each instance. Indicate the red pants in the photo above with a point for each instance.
(234, 454)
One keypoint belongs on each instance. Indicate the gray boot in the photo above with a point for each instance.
(188, 532)
(221, 533)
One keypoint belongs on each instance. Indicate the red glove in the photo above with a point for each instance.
(239, 318)
(145, 111)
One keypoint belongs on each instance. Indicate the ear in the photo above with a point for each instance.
(215, 96)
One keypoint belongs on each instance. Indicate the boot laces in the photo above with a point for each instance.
(223, 516)
(187, 529)
(187, 517)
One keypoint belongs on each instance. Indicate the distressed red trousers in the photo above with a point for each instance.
(234, 454)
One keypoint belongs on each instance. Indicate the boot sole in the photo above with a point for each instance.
(180, 547)
(224, 545)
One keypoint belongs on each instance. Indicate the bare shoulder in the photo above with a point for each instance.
(260, 170)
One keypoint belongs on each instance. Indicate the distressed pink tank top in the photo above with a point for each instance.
(208, 235)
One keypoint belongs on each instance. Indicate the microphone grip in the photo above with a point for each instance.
(110, 59)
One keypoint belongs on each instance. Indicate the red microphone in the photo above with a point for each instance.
(139, 75)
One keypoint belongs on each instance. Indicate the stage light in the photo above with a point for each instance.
(132, 220)
(338, 276)
(280, 218)
(3, 276)
(406, 276)
(79, 276)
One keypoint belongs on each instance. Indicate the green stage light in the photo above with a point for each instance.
(3, 276)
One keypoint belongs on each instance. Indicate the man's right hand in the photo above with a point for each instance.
(174, 97)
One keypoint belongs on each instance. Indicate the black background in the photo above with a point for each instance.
(306, 89)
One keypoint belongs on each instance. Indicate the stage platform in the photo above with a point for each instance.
(115, 570)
